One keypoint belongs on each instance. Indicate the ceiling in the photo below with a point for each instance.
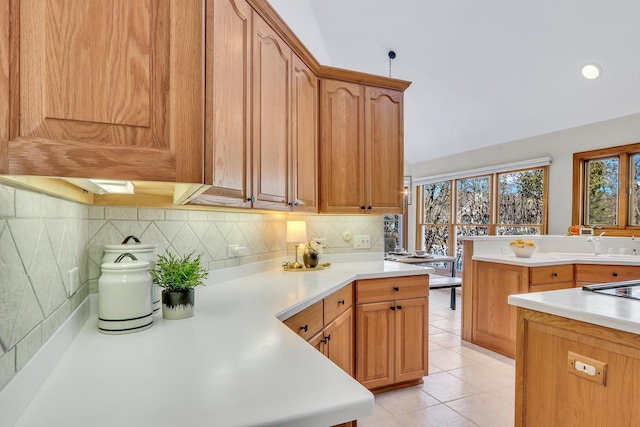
(493, 71)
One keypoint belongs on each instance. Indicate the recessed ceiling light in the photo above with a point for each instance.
(591, 71)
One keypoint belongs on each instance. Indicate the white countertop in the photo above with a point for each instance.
(604, 310)
(540, 259)
(233, 364)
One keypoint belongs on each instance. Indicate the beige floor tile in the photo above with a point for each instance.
(447, 359)
(485, 410)
(446, 324)
(445, 387)
(506, 395)
(405, 400)
(435, 330)
(389, 422)
(379, 414)
(433, 346)
(446, 339)
(434, 369)
(484, 376)
(434, 416)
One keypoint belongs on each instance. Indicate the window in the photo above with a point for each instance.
(503, 203)
(606, 189)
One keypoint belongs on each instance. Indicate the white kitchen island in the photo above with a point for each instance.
(233, 364)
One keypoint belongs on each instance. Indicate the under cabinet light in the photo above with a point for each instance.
(110, 186)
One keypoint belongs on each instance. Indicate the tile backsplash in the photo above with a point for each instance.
(42, 238)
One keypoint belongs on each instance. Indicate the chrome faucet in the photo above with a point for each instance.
(597, 242)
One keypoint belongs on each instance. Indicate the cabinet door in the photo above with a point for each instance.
(494, 320)
(341, 147)
(106, 89)
(384, 150)
(304, 116)
(339, 336)
(271, 115)
(228, 101)
(375, 338)
(411, 351)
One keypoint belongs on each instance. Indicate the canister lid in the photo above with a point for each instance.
(136, 247)
(125, 262)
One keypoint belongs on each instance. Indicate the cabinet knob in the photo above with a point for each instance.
(296, 204)
(251, 199)
(395, 288)
(341, 302)
(369, 207)
(554, 274)
(327, 337)
(399, 307)
(362, 207)
(615, 274)
(392, 308)
(323, 340)
(290, 204)
(304, 328)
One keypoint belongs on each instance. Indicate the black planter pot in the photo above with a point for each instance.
(178, 304)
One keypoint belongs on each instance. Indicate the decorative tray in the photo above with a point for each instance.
(287, 267)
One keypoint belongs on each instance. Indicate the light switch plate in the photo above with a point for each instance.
(362, 241)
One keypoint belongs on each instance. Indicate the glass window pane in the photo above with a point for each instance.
(520, 197)
(464, 230)
(473, 204)
(437, 203)
(602, 191)
(516, 231)
(436, 239)
(634, 193)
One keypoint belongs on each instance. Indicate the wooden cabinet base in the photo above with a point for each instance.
(397, 386)
(549, 389)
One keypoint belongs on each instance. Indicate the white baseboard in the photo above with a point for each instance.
(17, 394)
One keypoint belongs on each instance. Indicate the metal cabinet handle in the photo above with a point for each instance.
(392, 308)
(554, 274)
(363, 207)
(251, 199)
(327, 337)
(304, 328)
(399, 307)
(341, 302)
(395, 288)
(615, 274)
(369, 207)
(323, 340)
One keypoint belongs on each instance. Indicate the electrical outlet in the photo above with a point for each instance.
(74, 280)
(362, 241)
(232, 251)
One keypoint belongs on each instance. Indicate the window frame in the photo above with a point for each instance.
(493, 225)
(578, 209)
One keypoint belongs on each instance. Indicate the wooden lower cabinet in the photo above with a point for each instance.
(550, 393)
(493, 319)
(391, 335)
(588, 274)
(336, 341)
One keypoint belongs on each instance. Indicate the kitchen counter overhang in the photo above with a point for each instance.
(233, 364)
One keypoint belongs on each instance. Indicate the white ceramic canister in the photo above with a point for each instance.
(124, 296)
(143, 252)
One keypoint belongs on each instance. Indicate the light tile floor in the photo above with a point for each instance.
(467, 385)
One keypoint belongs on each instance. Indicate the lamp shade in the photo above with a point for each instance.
(296, 231)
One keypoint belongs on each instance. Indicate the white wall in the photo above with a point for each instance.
(560, 146)
(299, 15)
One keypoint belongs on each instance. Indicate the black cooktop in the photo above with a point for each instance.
(630, 289)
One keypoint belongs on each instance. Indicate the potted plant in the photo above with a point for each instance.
(178, 276)
(312, 254)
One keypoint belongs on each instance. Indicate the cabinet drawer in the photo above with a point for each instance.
(337, 303)
(592, 273)
(551, 274)
(308, 322)
(551, 287)
(393, 288)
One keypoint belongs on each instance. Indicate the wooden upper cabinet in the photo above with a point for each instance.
(228, 103)
(105, 89)
(342, 147)
(304, 116)
(384, 149)
(361, 146)
(271, 114)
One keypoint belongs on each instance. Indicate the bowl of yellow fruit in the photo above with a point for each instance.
(523, 248)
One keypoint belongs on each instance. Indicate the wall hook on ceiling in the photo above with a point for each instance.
(392, 55)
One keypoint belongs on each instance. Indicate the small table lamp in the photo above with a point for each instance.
(296, 233)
